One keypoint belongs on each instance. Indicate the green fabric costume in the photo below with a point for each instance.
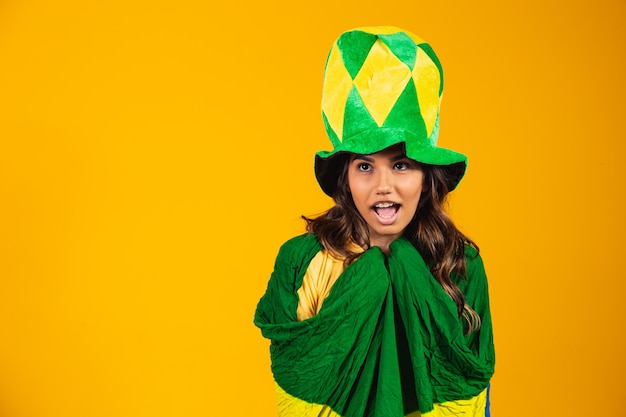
(387, 340)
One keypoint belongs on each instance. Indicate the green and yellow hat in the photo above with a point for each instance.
(383, 86)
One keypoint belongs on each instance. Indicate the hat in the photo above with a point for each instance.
(383, 86)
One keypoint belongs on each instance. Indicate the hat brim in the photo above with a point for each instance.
(328, 164)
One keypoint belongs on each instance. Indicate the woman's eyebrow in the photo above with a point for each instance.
(398, 157)
(367, 158)
(364, 158)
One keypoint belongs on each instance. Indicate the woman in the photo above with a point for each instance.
(382, 308)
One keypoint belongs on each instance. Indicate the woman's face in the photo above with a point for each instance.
(386, 187)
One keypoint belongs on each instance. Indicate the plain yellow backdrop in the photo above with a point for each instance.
(154, 155)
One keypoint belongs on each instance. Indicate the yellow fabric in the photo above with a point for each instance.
(290, 406)
(319, 278)
(381, 80)
(427, 82)
(474, 407)
(337, 86)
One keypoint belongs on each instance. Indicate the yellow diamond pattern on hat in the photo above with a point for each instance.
(337, 86)
(427, 82)
(381, 81)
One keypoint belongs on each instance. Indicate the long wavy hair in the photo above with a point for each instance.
(431, 231)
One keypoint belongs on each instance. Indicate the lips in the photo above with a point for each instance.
(386, 210)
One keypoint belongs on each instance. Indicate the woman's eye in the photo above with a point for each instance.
(401, 165)
(363, 167)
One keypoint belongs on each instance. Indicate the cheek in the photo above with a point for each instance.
(413, 187)
(357, 189)
(359, 200)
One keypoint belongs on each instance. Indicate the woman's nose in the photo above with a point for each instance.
(385, 182)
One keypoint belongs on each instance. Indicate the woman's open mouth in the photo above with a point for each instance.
(386, 211)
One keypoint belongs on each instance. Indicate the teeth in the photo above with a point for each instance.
(384, 205)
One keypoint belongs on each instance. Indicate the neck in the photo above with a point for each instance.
(382, 243)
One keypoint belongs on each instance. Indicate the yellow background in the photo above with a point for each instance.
(154, 155)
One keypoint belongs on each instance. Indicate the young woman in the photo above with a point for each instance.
(382, 308)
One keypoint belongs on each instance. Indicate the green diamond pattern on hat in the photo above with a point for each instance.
(357, 116)
(383, 86)
(380, 67)
(358, 44)
(407, 113)
(403, 46)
